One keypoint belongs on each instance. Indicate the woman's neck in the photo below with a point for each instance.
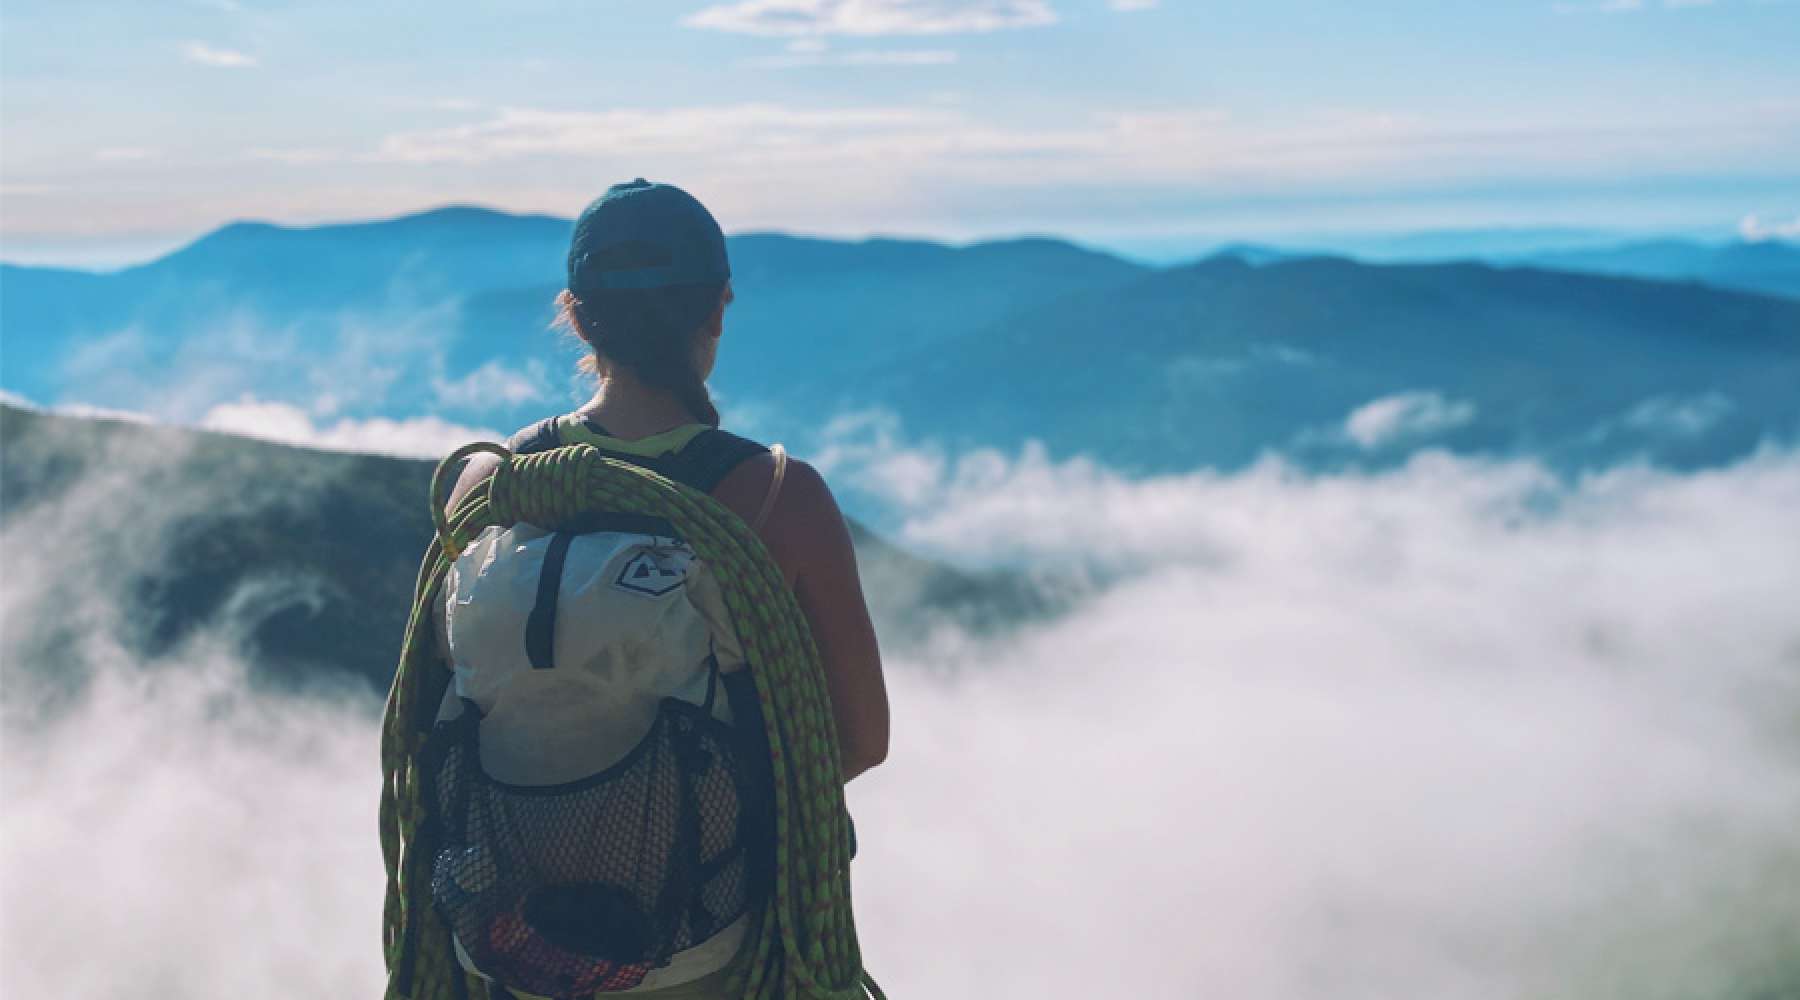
(629, 409)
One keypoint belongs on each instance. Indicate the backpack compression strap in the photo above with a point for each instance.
(803, 943)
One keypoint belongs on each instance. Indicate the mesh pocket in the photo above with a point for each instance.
(565, 890)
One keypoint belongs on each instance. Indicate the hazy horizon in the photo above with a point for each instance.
(1396, 243)
(1113, 122)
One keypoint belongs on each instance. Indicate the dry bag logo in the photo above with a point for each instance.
(653, 572)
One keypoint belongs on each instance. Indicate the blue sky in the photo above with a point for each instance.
(128, 126)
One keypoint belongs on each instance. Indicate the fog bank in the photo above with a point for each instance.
(1455, 730)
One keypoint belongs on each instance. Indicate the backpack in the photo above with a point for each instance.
(598, 772)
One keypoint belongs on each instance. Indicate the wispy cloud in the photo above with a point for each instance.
(494, 385)
(1193, 148)
(1130, 5)
(1688, 416)
(515, 132)
(964, 167)
(1623, 6)
(1406, 415)
(1756, 230)
(124, 154)
(809, 58)
(299, 156)
(871, 17)
(206, 55)
(285, 423)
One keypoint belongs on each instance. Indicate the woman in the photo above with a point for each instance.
(649, 282)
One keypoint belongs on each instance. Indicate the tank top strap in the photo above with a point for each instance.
(541, 436)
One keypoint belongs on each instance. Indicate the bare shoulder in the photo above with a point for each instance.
(804, 531)
(807, 522)
(743, 488)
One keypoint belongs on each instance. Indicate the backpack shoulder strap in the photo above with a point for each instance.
(711, 456)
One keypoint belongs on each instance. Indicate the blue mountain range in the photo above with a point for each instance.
(1680, 352)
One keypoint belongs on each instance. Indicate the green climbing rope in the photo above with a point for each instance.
(803, 943)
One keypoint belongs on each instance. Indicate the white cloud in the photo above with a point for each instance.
(889, 57)
(242, 821)
(992, 508)
(955, 168)
(206, 55)
(519, 132)
(1355, 726)
(1420, 733)
(1755, 230)
(376, 358)
(1622, 6)
(286, 423)
(416, 437)
(1598, 7)
(1131, 5)
(161, 848)
(1687, 416)
(296, 156)
(1199, 369)
(871, 17)
(866, 444)
(495, 385)
(1406, 415)
(884, 157)
(125, 154)
(102, 413)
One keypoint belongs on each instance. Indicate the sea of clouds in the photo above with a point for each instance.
(1461, 728)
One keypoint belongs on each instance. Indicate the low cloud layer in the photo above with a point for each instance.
(416, 437)
(1456, 730)
(1756, 229)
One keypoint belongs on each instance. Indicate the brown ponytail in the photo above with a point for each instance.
(652, 332)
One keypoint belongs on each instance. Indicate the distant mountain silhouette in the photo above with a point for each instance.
(1770, 266)
(1213, 363)
(1492, 243)
(824, 306)
(1256, 254)
(311, 555)
(1210, 363)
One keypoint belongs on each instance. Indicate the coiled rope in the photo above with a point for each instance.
(803, 943)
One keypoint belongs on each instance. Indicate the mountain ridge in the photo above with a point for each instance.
(1219, 361)
(308, 555)
(983, 345)
(1593, 252)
